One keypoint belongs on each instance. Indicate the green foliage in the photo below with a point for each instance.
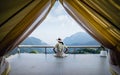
(85, 51)
(34, 51)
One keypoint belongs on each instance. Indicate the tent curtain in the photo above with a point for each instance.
(20, 25)
(100, 18)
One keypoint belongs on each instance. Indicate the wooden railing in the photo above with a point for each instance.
(48, 46)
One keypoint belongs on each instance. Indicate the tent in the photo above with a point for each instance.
(100, 18)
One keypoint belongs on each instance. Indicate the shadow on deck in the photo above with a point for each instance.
(47, 64)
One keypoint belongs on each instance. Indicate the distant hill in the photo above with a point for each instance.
(80, 38)
(30, 41)
(33, 41)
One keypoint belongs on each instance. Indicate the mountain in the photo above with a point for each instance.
(33, 41)
(30, 41)
(80, 38)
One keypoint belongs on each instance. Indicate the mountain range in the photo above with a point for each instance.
(30, 41)
(80, 38)
(33, 41)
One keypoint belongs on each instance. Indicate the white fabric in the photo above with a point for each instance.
(103, 53)
(59, 47)
(116, 69)
(3, 65)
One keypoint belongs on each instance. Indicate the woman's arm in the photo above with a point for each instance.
(54, 50)
(66, 50)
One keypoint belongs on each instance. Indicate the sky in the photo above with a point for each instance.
(58, 23)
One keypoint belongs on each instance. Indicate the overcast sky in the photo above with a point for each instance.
(57, 24)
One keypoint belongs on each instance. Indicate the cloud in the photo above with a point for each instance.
(57, 24)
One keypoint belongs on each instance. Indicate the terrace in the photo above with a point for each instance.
(47, 64)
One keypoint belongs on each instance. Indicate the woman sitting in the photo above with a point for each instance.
(60, 49)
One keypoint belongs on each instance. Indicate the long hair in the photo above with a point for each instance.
(62, 43)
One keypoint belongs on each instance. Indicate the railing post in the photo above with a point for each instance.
(18, 50)
(45, 51)
(74, 50)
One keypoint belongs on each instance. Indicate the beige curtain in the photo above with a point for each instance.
(18, 24)
(101, 19)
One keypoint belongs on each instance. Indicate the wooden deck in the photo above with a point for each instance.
(74, 64)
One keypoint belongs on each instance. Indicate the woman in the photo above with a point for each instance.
(59, 48)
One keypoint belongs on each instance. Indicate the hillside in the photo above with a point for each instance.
(33, 41)
(80, 38)
(30, 41)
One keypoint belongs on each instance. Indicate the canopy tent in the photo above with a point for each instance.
(16, 24)
(100, 18)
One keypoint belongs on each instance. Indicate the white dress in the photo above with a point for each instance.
(59, 47)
